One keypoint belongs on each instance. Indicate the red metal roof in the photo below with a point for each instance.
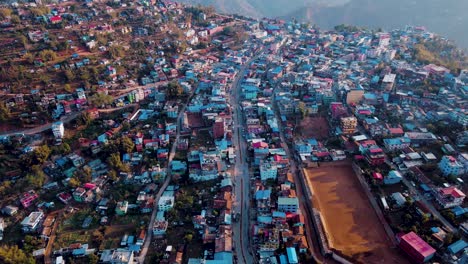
(56, 19)
(453, 191)
(423, 248)
(377, 176)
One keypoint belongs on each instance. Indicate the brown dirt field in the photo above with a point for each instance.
(316, 127)
(349, 220)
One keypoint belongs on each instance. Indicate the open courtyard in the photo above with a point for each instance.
(350, 223)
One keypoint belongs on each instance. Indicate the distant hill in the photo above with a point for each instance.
(446, 17)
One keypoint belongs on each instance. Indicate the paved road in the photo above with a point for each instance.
(72, 116)
(149, 233)
(41, 128)
(420, 197)
(241, 174)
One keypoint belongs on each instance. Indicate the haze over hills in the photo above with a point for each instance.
(445, 17)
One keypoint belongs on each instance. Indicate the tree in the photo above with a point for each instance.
(48, 55)
(174, 89)
(5, 13)
(4, 112)
(15, 19)
(93, 259)
(302, 109)
(188, 238)
(14, 255)
(127, 144)
(100, 99)
(97, 237)
(40, 11)
(85, 118)
(74, 182)
(68, 88)
(113, 175)
(87, 174)
(37, 178)
(116, 52)
(116, 164)
(448, 239)
(228, 31)
(41, 154)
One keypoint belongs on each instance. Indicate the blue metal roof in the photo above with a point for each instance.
(457, 246)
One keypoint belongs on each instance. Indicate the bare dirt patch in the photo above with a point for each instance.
(314, 127)
(349, 220)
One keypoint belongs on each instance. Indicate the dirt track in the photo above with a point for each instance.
(348, 218)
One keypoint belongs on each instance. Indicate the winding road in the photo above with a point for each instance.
(149, 233)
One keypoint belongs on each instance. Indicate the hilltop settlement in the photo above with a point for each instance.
(152, 132)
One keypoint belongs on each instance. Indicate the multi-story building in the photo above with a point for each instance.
(58, 130)
(288, 204)
(31, 223)
(166, 202)
(393, 144)
(268, 170)
(388, 82)
(373, 154)
(348, 125)
(449, 197)
(219, 128)
(449, 165)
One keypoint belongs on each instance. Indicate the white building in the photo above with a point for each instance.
(58, 129)
(449, 197)
(286, 204)
(32, 222)
(2, 227)
(165, 203)
(122, 256)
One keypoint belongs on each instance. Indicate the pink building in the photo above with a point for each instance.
(417, 249)
(28, 198)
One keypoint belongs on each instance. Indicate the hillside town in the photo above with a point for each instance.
(154, 132)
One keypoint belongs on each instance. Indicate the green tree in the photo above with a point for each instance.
(5, 13)
(42, 153)
(116, 52)
(188, 238)
(448, 239)
(93, 259)
(85, 118)
(302, 109)
(14, 255)
(74, 182)
(4, 112)
(15, 19)
(114, 161)
(100, 99)
(174, 89)
(87, 174)
(29, 57)
(127, 144)
(48, 55)
(68, 88)
(37, 178)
